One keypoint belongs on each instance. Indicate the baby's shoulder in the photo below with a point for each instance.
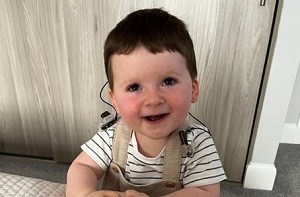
(197, 132)
(108, 132)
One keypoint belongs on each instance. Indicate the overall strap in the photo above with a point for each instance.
(122, 136)
(173, 156)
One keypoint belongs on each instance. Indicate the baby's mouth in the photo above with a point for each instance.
(156, 117)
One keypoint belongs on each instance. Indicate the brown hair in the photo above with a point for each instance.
(154, 29)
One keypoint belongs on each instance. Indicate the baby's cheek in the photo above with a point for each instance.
(182, 104)
(129, 108)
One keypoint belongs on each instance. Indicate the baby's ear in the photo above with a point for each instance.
(195, 90)
(113, 100)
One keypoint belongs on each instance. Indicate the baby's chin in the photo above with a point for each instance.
(156, 134)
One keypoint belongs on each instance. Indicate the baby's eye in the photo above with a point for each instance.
(133, 87)
(169, 81)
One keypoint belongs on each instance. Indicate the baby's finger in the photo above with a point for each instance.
(110, 194)
(133, 193)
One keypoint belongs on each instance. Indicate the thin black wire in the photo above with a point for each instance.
(200, 123)
(102, 99)
(197, 119)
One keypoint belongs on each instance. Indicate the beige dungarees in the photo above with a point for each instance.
(114, 177)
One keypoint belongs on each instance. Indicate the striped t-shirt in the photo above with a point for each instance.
(203, 168)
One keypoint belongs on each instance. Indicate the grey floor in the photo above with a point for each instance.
(287, 181)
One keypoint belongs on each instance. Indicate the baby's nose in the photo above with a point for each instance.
(154, 98)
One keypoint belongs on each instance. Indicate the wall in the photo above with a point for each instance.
(294, 107)
(291, 129)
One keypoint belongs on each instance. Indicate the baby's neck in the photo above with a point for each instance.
(149, 147)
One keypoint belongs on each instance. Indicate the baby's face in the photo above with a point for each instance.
(152, 92)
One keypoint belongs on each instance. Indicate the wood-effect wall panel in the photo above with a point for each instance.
(26, 82)
(232, 76)
(52, 70)
(10, 120)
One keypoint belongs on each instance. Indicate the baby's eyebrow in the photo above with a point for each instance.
(174, 73)
(128, 82)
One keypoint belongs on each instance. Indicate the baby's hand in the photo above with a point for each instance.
(133, 193)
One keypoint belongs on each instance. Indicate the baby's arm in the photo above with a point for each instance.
(83, 176)
(203, 191)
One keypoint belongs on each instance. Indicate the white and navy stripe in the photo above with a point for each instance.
(202, 169)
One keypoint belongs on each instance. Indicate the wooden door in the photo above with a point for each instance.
(52, 70)
(231, 62)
